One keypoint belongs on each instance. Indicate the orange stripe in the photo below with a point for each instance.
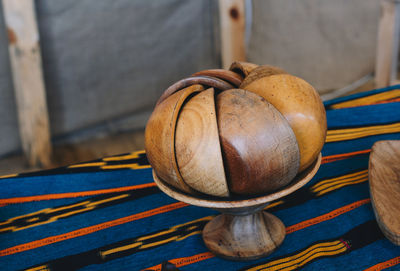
(91, 229)
(389, 101)
(74, 194)
(384, 265)
(302, 225)
(337, 157)
(179, 262)
(327, 216)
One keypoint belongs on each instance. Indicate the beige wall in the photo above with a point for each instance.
(330, 43)
(106, 62)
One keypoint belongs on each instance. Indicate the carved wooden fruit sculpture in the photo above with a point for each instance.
(246, 131)
(234, 141)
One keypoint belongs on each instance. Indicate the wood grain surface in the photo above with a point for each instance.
(244, 237)
(384, 183)
(260, 72)
(27, 75)
(160, 137)
(258, 146)
(232, 77)
(201, 80)
(242, 68)
(239, 204)
(232, 21)
(197, 146)
(301, 105)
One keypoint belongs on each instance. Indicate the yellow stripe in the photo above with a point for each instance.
(139, 241)
(53, 210)
(316, 255)
(96, 203)
(128, 166)
(340, 186)
(9, 176)
(353, 133)
(273, 204)
(188, 235)
(174, 228)
(33, 219)
(281, 263)
(94, 164)
(334, 243)
(43, 211)
(87, 206)
(132, 155)
(358, 173)
(347, 180)
(38, 268)
(368, 100)
(22, 216)
(118, 249)
(156, 234)
(173, 238)
(362, 130)
(325, 251)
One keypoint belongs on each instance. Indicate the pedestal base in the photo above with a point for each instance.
(246, 237)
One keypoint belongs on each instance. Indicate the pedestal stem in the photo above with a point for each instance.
(244, 237)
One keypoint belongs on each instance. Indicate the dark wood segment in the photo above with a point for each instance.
(259, 147)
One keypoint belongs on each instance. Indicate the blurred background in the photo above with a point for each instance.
(103, 64)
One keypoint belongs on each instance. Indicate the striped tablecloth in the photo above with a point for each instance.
(109, 215)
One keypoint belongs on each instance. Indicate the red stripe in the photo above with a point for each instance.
(384, 265)
(73, 194)
(342, 156)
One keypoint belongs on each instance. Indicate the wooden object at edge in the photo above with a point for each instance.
(384, 183)
(26, 66)
(387, 44)
(232, 30)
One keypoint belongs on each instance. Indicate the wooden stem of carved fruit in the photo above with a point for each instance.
(245, 237)
(244, 231)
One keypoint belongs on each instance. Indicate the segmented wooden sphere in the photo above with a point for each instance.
(246, 131)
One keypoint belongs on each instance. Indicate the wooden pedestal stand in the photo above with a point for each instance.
(243, 231)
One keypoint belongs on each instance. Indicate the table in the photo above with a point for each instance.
(109, 215)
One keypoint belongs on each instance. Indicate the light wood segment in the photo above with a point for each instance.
(242, 68)
(244, 237)
(232, 30)
(26, 66)
(301, 105)
(260, 72)
(259, 147)
(232, 77)
(197, 146)
(384, 182)
(160, 137)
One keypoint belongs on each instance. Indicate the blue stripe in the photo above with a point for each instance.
(363, 116)
(75, 182)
